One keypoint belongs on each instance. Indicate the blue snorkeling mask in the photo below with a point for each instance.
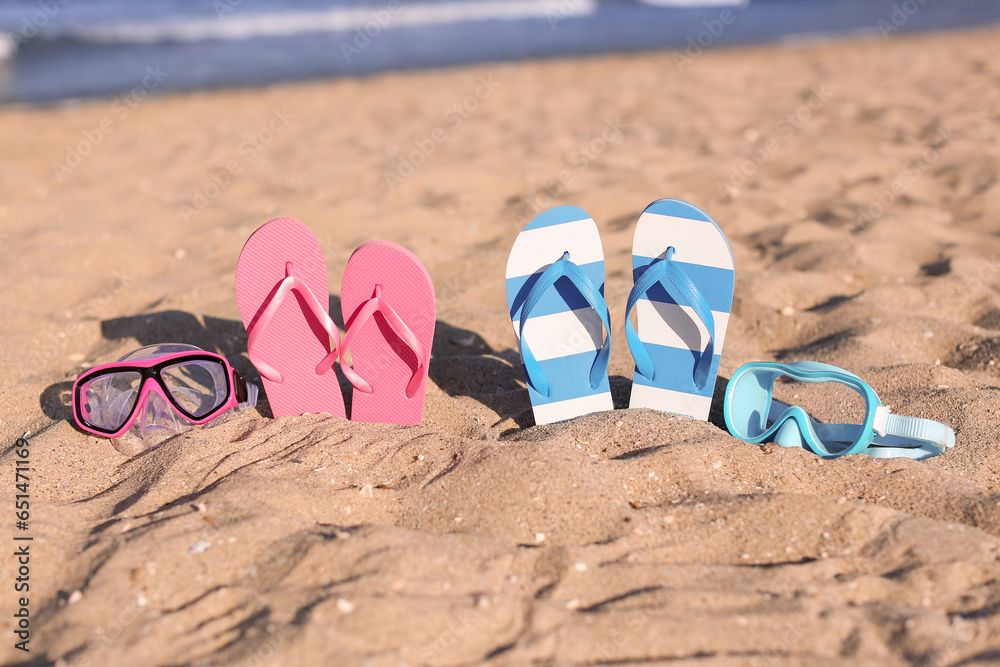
(842, 414)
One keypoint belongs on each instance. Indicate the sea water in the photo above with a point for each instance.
(53, 50)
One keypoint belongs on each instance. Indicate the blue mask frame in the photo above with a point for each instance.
(750, 405)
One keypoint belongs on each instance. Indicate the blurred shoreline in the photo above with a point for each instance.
(66, 50)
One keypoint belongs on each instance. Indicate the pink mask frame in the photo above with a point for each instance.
(152, 381)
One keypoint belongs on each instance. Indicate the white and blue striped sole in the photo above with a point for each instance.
(564, 332)
(673, 334)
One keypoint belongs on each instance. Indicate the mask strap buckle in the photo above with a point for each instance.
(881, 418)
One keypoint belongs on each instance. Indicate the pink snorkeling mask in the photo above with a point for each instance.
(156, 392)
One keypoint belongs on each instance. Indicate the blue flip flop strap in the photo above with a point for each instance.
(678, 284)
(559, 269)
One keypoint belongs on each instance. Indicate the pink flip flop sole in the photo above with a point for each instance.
(387, 298)
(282, 291)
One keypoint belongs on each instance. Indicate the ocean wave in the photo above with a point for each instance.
(8, 47)
(237, 26)
(695, 3)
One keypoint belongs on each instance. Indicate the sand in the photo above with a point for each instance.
(857, 183)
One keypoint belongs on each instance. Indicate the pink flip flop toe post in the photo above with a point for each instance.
(283, 293)
(387, 298)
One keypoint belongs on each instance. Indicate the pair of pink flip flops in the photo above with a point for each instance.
(387, 299)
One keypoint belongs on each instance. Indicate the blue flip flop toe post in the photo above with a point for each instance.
(555, 292)
(683, 293)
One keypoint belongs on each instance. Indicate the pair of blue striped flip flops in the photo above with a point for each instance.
(683, 274)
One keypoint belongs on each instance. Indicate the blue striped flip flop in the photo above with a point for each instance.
(684, 275)
(555, 290)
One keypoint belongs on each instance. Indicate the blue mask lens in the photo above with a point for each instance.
(750, 412)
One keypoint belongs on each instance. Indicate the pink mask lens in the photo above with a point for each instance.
(108, 400)
(199, 387)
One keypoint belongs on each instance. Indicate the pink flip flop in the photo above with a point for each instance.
(388, 302)
(292, 341)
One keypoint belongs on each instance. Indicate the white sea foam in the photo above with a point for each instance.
(238, 25)
(8, 47)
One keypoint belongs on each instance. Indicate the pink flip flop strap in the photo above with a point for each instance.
(267, 312)
(378, 304)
